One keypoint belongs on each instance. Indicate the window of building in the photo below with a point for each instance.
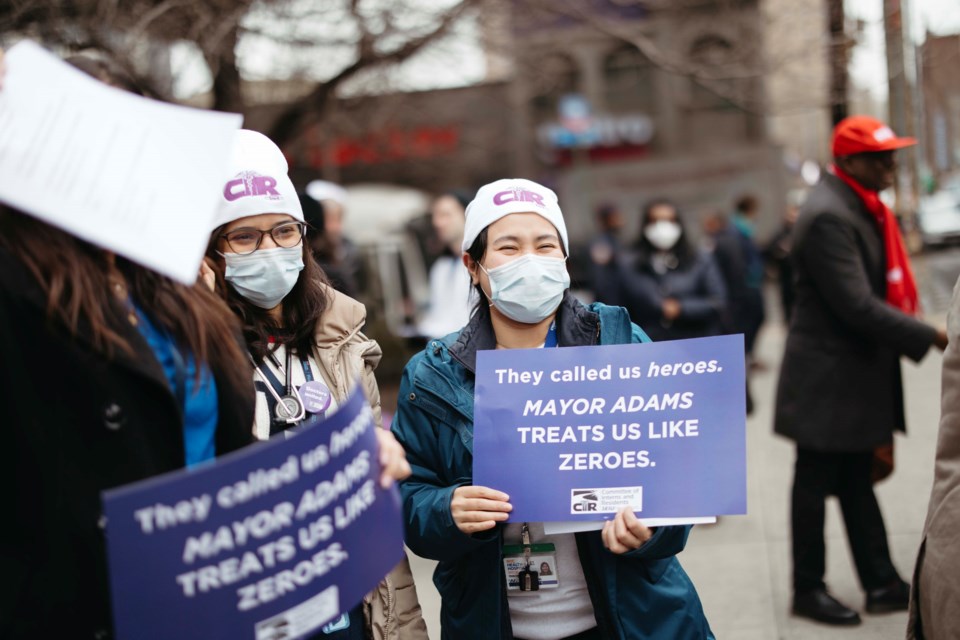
(556, 75)
(629, 81)
(714, 58)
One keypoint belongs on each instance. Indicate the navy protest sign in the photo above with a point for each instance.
(576, 433)
(273, 541)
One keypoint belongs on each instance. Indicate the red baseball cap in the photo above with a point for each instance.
(863, 134)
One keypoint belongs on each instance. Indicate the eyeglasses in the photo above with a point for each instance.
(246, 240)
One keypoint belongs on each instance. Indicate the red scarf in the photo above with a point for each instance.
(901, 287)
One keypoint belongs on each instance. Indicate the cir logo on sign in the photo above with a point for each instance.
(584, 500)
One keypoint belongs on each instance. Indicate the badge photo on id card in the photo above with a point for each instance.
(529, 573)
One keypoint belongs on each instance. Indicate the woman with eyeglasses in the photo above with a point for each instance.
(304, 339)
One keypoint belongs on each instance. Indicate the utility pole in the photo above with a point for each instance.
(838, 61)
(902, 120)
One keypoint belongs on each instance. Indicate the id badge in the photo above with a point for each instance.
(539, 573)
(341, 623)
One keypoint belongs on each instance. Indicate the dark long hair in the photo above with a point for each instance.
(73, 275)
(683, 251)
(302, 307)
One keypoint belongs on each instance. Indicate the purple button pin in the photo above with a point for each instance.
(315, 395)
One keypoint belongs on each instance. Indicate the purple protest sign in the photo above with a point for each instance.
(576, 433)
(273, 541)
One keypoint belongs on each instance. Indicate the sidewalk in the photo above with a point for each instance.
(741, 565)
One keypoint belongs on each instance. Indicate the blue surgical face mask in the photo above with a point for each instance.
(265, 276)
(529, 288)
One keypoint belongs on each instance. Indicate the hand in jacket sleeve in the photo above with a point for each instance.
(393, 459)
(430, 529)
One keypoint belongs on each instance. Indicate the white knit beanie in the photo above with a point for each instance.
(321, 190)
(257, 182)
(512, 195)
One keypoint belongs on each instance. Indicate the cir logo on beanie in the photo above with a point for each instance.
(512, 195)
(257, 181)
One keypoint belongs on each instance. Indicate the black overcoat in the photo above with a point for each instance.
(75, 423)
(840, 387)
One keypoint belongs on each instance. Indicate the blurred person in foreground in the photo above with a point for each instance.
(936, 582)
(112, 374)
(671, 290)
(338, 256)
(451, 296)
(306, 342)
(623, 581)
(840, 395)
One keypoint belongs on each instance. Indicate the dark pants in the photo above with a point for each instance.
(846, 475)
(751, 316)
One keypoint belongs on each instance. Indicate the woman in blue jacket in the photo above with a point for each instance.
(621, 582)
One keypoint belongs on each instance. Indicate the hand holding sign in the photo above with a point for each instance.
(393, 459)
(479, 508)
(625, 532)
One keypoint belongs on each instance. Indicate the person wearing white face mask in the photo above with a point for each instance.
(305, 342)
(670, 289)
(621, 582)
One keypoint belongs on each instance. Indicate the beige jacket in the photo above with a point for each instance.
(392, 610)
(934, 614)
(345, 354)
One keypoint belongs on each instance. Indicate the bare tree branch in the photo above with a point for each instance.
(309, 109)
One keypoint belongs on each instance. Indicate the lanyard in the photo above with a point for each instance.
(551, 340)
(307, 372)
(525, 541)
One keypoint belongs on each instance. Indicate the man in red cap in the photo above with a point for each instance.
(840, 394)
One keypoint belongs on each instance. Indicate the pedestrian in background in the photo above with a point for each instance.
(777, 252)
(840, 396)
(724, 244)
(605, 251)
(936, 582)
(112, 373)
(672, 290)
(750, 310)
(621, 582)
(305, 341)
(337, 255)
(451, 296)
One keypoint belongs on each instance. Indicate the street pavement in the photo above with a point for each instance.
(741, 565)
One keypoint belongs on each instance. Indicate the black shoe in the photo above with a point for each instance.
(893, 597)
(821, 606)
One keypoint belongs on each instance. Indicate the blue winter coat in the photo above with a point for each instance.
(641, 594)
